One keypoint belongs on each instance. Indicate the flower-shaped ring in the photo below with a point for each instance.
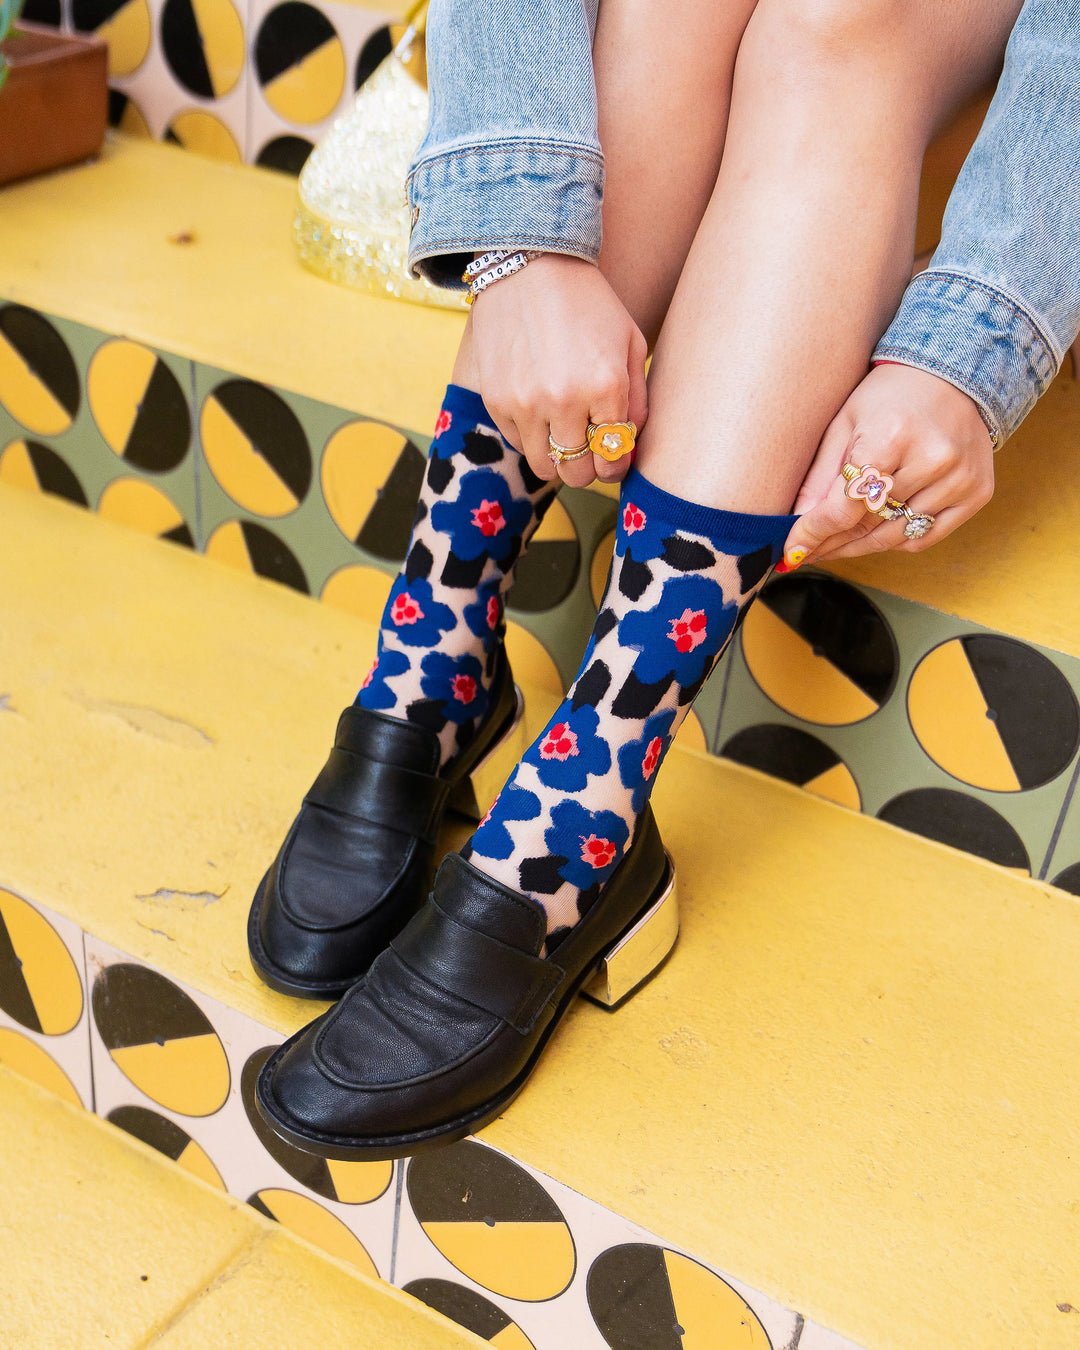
(612, 440)
(869, 486)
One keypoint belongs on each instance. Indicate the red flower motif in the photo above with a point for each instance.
(633, 518)
(493, 612)
(405, 610)
(442, 423)
(597, 852)
(370, 675)
(560, 743)
(688, 630)
(488, 518)
(652, 758)
(464, 687)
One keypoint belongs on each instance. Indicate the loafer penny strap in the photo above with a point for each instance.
(384, 794)
(487, 973)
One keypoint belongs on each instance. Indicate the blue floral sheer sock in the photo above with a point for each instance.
(682, 578)
(443, 622)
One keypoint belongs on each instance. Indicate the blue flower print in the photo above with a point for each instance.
(486, 519)
(484, 617)
(415, 616)
(641, 531)
(374, 692)
(569, 750)
(592, 842)
(682, 633)
(492, 838)
(456, 681)
(639, 760)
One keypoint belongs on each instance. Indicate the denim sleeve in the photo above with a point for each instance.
(511, 156)
(999, 304)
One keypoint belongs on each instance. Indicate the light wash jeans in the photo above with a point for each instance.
(512, 158)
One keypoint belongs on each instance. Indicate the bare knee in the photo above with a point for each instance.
(825, 30)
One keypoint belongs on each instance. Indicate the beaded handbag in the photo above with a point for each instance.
(352, 219)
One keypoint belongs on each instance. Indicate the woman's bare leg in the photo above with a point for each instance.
(807, 242)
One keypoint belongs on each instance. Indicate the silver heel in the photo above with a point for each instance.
(473, 795)
(640, 952)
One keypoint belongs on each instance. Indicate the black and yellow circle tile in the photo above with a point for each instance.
(371, 477)
(1069, 879)
(203, 134)
(160, 1039)
(373, 53)
(300, 63)
(139, 406)
(796, 757)
(142, 506)
(472, 1311)
(820, 649)
(253, 548)
(168, 1138)
(994, 713)
(256, 447)
(308, 1219)
(358, 590)
(350, 1183)
(126, 115)
(286, 154)
(204, 45)
(645, 1297)
(40, 985)
(961, 821)
(492, 1221)
(124, 24)
(43, 11)
(39, 383)
(547, 573)
(37, 467)
(27, 1058)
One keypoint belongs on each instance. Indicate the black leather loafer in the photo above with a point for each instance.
(357, 862)
(443, 1031)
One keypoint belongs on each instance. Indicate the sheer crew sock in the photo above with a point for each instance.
(681, 579)
(443, 622)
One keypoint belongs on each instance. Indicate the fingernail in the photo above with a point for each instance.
(794, 557)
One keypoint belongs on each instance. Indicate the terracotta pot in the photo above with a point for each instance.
(54, 104)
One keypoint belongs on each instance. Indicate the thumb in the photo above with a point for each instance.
(828, 510)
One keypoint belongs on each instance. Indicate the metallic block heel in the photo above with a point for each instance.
(472, 797)
(640, 952)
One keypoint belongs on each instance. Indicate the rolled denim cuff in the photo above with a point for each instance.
(519, 194)
(978, 338)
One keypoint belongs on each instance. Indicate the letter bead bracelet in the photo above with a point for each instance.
(490, 267)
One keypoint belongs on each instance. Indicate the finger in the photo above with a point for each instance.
(534, 435)
(638, 401)
(835, 514)
(949, 507)
(827, 464)
(570, 430)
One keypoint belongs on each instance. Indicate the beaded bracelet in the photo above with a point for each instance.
(494, 266)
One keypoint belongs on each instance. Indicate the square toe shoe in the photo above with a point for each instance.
(444, 1029)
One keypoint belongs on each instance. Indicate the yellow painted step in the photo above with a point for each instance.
(106, 1243)
(851, 1087)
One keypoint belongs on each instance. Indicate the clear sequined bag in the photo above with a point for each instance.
(352, 219)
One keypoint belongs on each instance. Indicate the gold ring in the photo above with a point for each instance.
(918, 523)
(611, 440)
(560, 454)
(869, 486)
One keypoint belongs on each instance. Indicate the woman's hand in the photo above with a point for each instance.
(926, 434)
(555, 349)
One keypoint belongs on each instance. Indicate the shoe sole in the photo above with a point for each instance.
(462, 799)
(338, 1148)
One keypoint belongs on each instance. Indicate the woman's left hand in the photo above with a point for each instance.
(926, 434)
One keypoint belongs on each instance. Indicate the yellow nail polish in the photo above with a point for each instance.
(793, 558)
